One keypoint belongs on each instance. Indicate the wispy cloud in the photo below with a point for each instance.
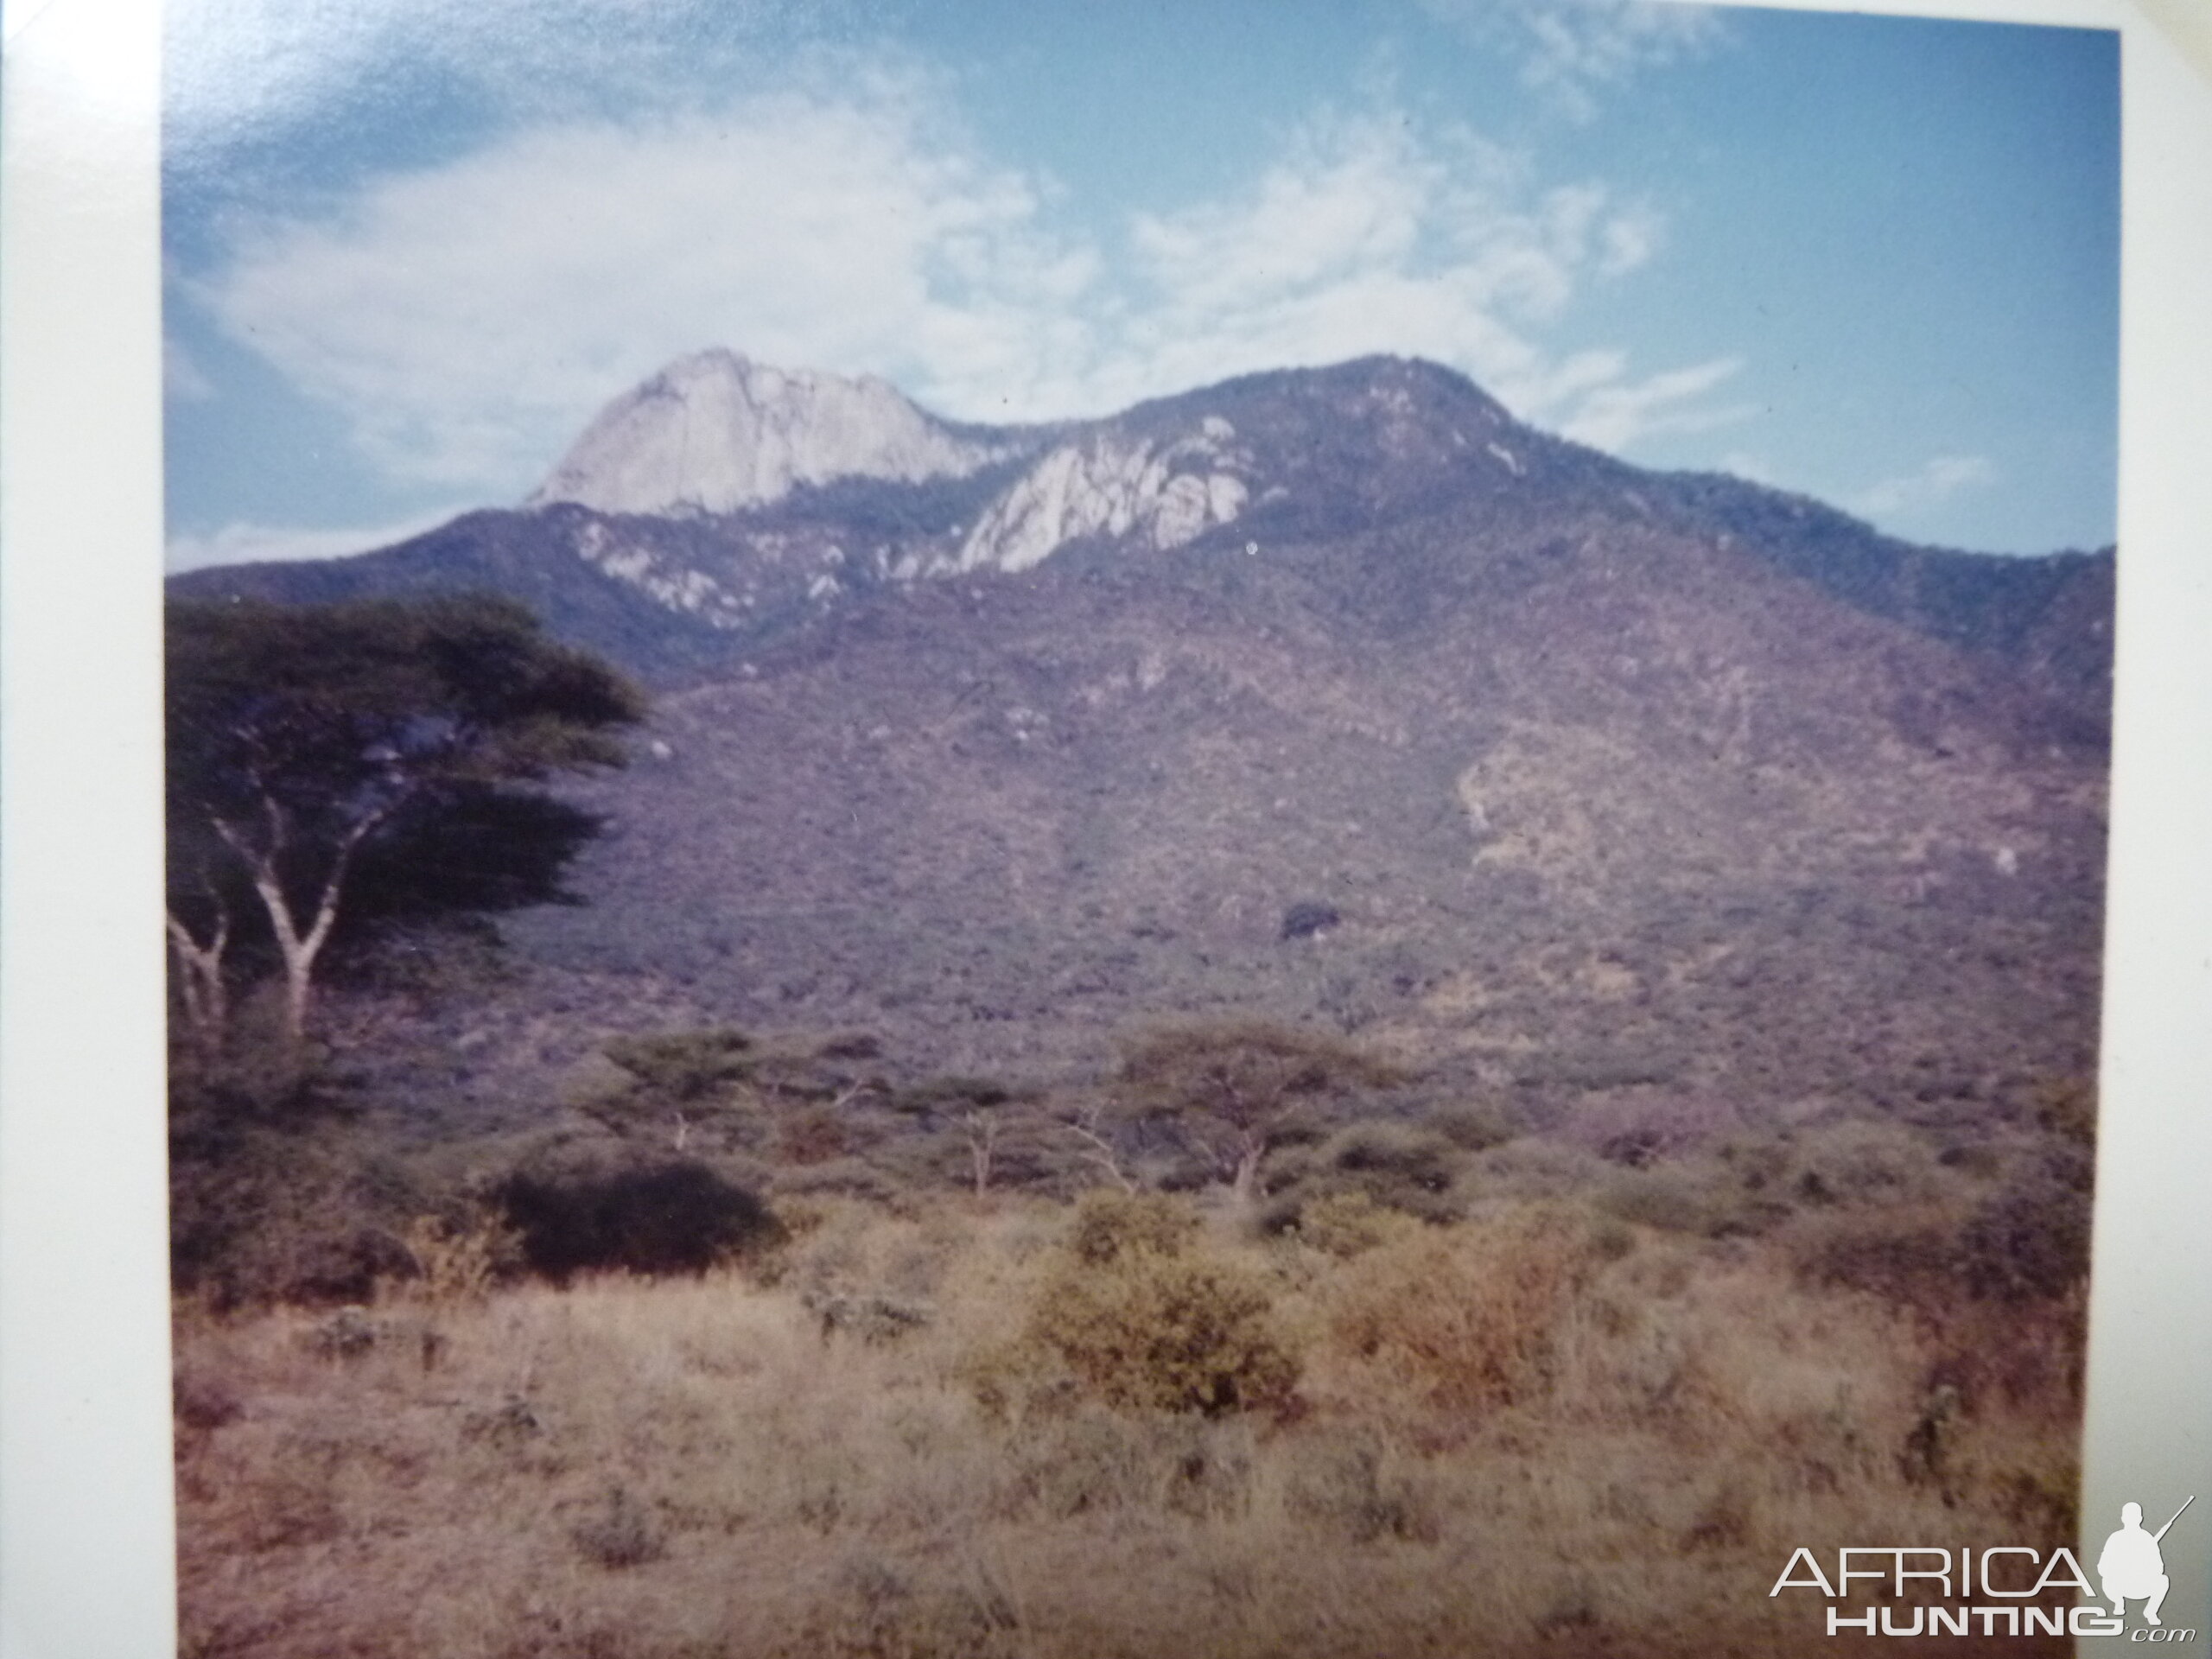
(182, 379)
(1374, 233)
(1931, 485)
(467, 318)
(1615, 415)
(1573, 51)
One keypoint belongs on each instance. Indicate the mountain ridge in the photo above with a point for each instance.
(1277, 456)
(1620, 785)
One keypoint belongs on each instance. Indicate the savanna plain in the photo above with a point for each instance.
(1593, 1412)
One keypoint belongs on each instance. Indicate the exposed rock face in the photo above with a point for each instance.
(716, 433)
(1112, 484)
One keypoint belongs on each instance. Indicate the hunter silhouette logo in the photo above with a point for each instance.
(2131, 1568)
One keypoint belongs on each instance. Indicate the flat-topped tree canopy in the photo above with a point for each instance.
(304, 739)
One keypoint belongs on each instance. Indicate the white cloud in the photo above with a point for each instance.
(1617, 414)
(249, 544)
(1931, 484)
(1570, 51)
(1375, 235)
(469, 318)
(182, 379)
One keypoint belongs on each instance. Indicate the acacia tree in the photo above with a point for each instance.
(299, 735)
(1235, 1086)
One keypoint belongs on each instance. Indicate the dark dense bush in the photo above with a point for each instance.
(1308, 917)
(1396, 1166)
(951, 1096)
(307, 1213)
(676, 1217)
(2029, 1239)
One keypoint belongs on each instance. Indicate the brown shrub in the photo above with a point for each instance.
(1466, 1317)
(807, 1498)
(1345, 1225)
(459, 1264)
(1908, 1256)
(622, 1534)
(813, 1135)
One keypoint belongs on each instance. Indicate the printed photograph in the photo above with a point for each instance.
(1065, 832)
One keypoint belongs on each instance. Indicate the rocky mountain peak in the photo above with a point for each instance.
(1167, 471)
(1164, 489)
(716, 432)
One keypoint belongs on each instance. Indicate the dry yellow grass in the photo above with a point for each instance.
(1529, 1432)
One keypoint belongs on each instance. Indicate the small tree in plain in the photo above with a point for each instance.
(1234, 1087)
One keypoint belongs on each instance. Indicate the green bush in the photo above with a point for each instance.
(1473, 1127)
(1143, 1320)
(1155, 1332)
(685, 1065)
(1110, 1225)
(1862, 1161)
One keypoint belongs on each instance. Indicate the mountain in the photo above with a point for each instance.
(716, 432)
(721, 505)
(1337, 696)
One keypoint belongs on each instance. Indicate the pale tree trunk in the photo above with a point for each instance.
(982, 1131)
(1099, 1149)
(200, 982)
(298, 946)
(1245, 1185)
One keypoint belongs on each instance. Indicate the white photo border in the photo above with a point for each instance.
(87, 1524)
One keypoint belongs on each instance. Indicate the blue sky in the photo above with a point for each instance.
(412, 247)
